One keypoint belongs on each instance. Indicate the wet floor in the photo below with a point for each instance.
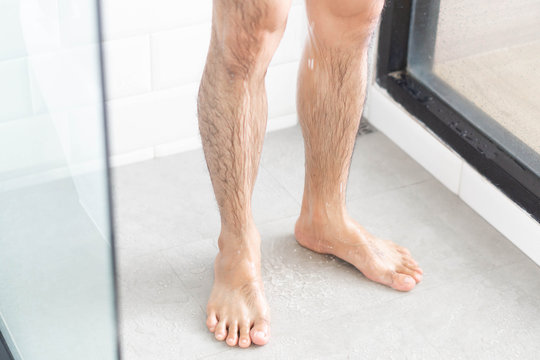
(479, 297)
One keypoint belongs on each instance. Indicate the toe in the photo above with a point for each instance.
(411, 264)
(244, 340)
(232, 337)
(414, 267)
(411, 272)
(417, 272)
(402, 282)
(403, 250)
(409, 260)
(211, 321)
(260, 333)
(221, 330)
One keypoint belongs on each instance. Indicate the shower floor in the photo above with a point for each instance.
(479, 297)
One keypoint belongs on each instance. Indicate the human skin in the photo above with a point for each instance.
(232, 111)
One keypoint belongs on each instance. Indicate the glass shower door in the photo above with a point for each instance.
(57, 287)
(482, 57)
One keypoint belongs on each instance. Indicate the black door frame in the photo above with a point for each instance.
(500, 167)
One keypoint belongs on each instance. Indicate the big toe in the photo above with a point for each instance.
(211, 322)
(260, 333)
(402, 282)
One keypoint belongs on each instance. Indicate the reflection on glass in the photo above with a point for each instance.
(56, 274)
(483, 57)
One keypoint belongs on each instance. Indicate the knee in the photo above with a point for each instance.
(247, 33)
(352, 20)
(364, 12)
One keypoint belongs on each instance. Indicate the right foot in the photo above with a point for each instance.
(237, 310)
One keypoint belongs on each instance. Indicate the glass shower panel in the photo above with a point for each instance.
(57, 296)
(482, 57)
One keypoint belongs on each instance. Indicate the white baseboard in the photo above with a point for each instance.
(132, 157)
(414, 138)
(176, 147)
(451, 170)
(281, 122)
(501, 212)
(188, 144)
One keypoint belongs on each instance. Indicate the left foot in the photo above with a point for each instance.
(379, 260)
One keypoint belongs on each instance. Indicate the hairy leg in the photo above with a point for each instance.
(232, 112)
(331, 92)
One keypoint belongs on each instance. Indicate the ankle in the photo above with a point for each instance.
(243, 239)
(320, 212)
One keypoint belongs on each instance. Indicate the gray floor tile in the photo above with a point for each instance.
(478, 298)
(484, 317)
(450, 244)
(160, 319)
(377, 164)
(169, 201)
(299, 283)
(55, 274)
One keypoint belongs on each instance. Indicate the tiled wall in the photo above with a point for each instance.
(50, 99)
(154, 57)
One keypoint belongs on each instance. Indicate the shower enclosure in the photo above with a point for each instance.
(468, 71)
(57, 287)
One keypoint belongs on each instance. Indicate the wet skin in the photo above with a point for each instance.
(232, 119)
(237, 309)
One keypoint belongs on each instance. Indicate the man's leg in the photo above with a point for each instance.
(232, 120)
(332, 83)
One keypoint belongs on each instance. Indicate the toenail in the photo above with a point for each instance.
(244, 341)
(409, 280)
(260, 334)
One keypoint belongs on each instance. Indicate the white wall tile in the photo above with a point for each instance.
(135, 17)
(281, 122)
(38, 101)
(281, 89)
(15, 95)
(84, 134)
(123, 18)
(178, 56)
(67, 78)
(292, 43)
(163, 116)
(503, 214)
(127, 66)
(415, 139)
(39, 21)
(167, 14)
(77, 22)
(155, 118)
(132, 157)
(11, 36)
(33, 144)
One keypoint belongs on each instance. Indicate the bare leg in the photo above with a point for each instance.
(232, 120)
(332, 84)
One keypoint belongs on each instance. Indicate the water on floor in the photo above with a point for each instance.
(478, 299)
